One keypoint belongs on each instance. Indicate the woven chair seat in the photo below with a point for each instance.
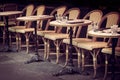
(56, 36)
(13, 29)
(92, 45)
(25, 30)
(76, 40)
(9, 23)
(42, 33)
(109, 51)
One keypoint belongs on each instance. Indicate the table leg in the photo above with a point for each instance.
(113, 61)
(69, 68)
(6, 47)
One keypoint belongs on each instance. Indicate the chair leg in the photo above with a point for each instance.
(94, 65)
(79, 56)
(27, 42)
(57, 52)
(106, 67)
(83, 59)
(4, 36)
(10, 37)
(17, 41)
(94, 56)
(48, 49)
(66, 62)
(45, 48)
(57, 44)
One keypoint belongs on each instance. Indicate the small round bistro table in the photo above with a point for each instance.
(36, 57)
(69, 69)
(114, 42)
(6, 14)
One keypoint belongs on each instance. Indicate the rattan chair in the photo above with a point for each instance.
(12, 19)
(57, 38)
(94, 47)
(27, 11)
(95, 16)
(40, 33)
(108, 53)
(28, 31)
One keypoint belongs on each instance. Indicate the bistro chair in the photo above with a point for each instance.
(95, 16)
(11, 19)
(57, 38)
(28, 31)
(94, 47)
(27, 11)
(40, 33)
(108, 52)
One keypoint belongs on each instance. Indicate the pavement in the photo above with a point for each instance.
(13, 67)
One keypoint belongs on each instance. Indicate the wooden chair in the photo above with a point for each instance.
(94, 47)
(12, 19)
(57, 38)
(27, 11)
(59, 10)
(108, 52)
(95, 16)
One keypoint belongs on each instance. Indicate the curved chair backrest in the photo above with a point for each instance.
(39, 10)
(95, 16)
(72, 13)
(110, 19)
(27, 11)
(59, 11)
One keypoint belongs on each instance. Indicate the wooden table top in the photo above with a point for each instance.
(34, 18)
(103, 34)
(8, 13)
(71, 23)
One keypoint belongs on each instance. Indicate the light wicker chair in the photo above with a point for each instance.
(57, 38)
(12, 19)
(59, 10)
(27, 11)
(28, 31)
(95, 16)
(94, 47)
(108, 53)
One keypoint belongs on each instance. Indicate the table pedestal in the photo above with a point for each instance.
(113, 61)
(36, 57)
(6, 14)
(69, 69)
(6, 47)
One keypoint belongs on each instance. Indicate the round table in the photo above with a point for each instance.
(6, 14)
(36, 57)
(71, 24)
(114, 37)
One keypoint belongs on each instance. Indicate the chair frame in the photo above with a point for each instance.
(57, 42)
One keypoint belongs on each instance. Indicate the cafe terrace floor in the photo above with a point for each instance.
(13, 67)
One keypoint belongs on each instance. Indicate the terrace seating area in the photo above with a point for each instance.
(44, 31)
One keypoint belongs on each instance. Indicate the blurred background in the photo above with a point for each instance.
(110, 4)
